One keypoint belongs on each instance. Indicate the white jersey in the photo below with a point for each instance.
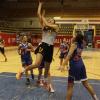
(48, 37)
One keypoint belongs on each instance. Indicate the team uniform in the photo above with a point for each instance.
(2, 50)
(42, 63)
(26, 58)
(46, 49)
(46, 46)
(63, 50)
(77, 71)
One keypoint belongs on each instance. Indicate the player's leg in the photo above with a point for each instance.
(70, 88)
(47, 77)
(39, 81)
(27, 78)
(24, 65)
(3, 53)
(32, 74)
(40, 74)
(61, 61)
(90, 89)
(30, 67)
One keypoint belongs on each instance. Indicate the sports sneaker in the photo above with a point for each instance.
(51, 90)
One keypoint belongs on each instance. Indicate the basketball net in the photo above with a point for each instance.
(82, 26)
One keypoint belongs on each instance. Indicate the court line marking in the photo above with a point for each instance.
(58, 80)
(93, 74)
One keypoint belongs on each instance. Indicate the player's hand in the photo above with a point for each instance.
(28, 50)
(22, 49)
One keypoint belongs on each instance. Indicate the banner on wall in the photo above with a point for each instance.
(10, 39)
(97, 41)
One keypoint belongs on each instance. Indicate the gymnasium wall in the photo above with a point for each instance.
(10, 39)
(37, 38)
(97, 41)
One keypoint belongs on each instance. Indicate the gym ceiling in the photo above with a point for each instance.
(63, 8)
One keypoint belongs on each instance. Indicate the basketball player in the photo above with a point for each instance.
(77, 71)
(2, 49)
(64, 47)
(25, 50)
(45, 49)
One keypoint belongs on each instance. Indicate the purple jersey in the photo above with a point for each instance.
(63, 47)
(24, 52)
(77, 71)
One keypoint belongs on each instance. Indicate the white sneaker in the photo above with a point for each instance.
(52, 90)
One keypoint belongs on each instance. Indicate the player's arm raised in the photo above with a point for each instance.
(39, 12)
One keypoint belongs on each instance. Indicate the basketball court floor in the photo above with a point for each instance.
(12, 89)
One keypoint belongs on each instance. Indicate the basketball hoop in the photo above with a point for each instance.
(82, 26)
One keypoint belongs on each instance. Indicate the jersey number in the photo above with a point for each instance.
(40, 49)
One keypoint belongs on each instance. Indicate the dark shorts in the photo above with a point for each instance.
(63, 55)
(46, 50)
(26, 61)
(2, 50)
(77, 71)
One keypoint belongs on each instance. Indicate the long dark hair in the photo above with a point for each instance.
(79, 38)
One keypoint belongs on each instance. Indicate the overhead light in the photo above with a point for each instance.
(57, 17)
